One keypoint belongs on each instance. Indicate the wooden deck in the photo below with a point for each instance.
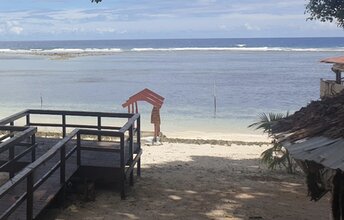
(44, 194)
(41, 167)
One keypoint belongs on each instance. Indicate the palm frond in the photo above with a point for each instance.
(277, 155)
(267, 120)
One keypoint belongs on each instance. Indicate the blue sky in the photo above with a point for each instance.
(137, 19)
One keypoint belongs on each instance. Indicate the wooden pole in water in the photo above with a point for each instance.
(214, 93)
(41, 101)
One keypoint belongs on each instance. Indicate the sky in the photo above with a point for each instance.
(155, 19)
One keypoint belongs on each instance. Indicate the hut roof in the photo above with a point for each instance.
(145, 95)
(315, 132)
(338, 63)
(339, 60)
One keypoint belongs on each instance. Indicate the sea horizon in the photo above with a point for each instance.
(172, 38)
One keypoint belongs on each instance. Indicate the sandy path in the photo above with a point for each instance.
(187, 181)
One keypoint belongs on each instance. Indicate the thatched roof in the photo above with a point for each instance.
(325, 118)
(315, 132)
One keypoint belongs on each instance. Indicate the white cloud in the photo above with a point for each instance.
(223, 27)
(11, 27)
(251, 27)
(72, 15)
(105, 30)
(16, 30)
(207, 1)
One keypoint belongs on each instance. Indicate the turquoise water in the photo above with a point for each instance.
(247, 83)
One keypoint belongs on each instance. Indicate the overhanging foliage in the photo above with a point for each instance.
(326, 10)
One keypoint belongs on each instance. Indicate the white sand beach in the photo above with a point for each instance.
(191, 181)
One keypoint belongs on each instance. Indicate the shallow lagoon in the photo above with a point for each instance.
(247, 83)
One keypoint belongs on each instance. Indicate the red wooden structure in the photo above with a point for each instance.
(152, 98)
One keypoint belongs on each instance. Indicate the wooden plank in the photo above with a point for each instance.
(14, 117)
(102, 133)
(12, 128)
(46, 124)
(130, 122)
(132, 165)
(7, 136)
(29, 199)
(78, 113)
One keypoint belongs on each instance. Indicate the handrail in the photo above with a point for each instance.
(64, 124)
(34, 165)
(14, 117)
(74, 126)
(48, 155)
(16, 158)
(130, 122)
(17, 139)
(98, 132)
(12, 128)
(27, 173)
(79, 113)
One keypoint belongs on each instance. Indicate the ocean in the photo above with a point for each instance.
(247, 76)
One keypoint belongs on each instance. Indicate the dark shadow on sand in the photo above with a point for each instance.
(199, 189)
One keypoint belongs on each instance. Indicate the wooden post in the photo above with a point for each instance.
(63, 164)
(139, 144)
(338, 77)
(12, 124)
(132, 108)
(63, 125)
(33, 152)
(11, 153)
(214, 93)
(137, 108)
(99, 127)
(29, 198)
(122, 170)
(78, 150)
(131, 156)
(11, 157)
(63, 173)
(28, 120)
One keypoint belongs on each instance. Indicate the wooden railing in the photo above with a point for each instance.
(17, 136)
(131, 130)
(64, 115)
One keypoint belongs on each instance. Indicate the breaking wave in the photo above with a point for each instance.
(239, 48)
(95, 51)
(60, 51)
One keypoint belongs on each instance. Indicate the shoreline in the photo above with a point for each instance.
(147, 137)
